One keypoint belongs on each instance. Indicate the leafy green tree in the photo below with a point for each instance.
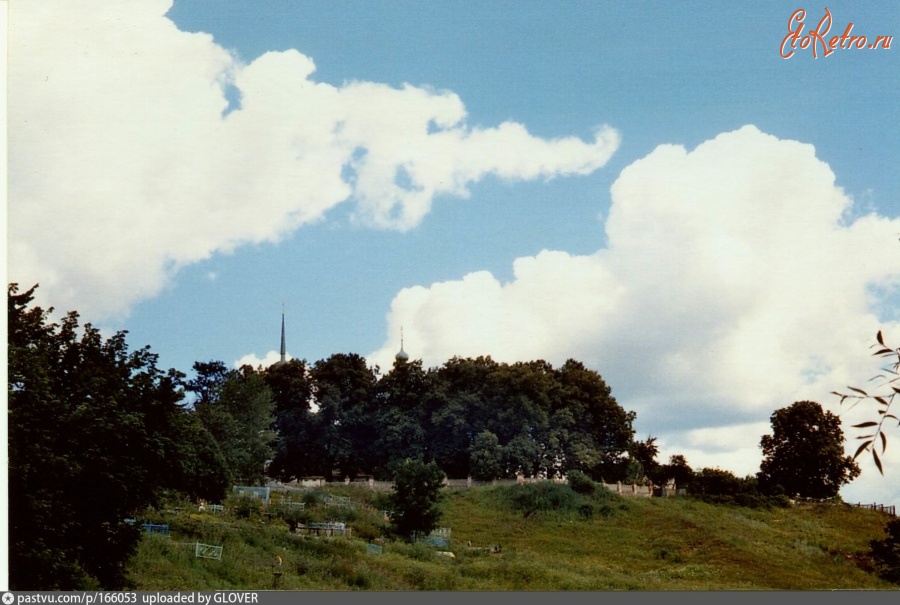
(236, 409)
(717, 482)
(248, 401)
(202, 467)
(606, 429)
(458, 409)
(452, 424)
(401, 416)
(296, 449)
(415, 498)
(634, 471)
(92, 430)
(645, 453)
(487, 457)
(805, 453)
(345, 392)
(677, 469)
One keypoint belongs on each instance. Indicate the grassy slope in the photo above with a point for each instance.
(646, 544)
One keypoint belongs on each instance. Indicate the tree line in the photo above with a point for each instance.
(337, 418)
(98, 432)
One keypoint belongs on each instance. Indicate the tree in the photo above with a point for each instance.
(92, 441)
(805, 453)
(679, 470)
(605, 428)
(296, 453)
(717, 482)
(400, 416)
(415, 498)
(887, 387)
(345, 393)
(486, 457)
(645, 453)
(236, 409)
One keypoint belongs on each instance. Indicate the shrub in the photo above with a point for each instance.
(886, 553)
(244, 507)
(294, 517)
(541, 497)
(586, 510)
(717, 482)
(311, 498)
(581, 483)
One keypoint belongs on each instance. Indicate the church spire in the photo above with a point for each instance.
(283, 348)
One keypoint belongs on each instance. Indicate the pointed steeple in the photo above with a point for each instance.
(283, 348)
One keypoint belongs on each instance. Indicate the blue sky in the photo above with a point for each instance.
(723, 279)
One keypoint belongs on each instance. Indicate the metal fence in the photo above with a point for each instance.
(325, 529)
(257, 492)
(152, 528)
(207, 551)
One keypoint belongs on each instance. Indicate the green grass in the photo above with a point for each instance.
(548, 543)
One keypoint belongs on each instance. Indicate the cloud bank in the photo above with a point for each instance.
(734, 283)
(127, 160)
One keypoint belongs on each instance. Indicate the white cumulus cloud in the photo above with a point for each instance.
(734, 283)
(127, 161)
(265, 361)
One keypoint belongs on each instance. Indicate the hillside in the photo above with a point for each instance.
(597, 543)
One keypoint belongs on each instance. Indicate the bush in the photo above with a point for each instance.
(886, 553)
(717, 482)
(295, 517)
(586, 510)
(244, 507)
(540, 497)
(581, 483)
(311, 498)
(752, 501)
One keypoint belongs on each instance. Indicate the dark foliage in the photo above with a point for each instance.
(805, 454)
(718, 486)
(415, 498)
(556, 498)
(473, 417)
(581, 483)
(544, 496)
(645, 452)
(235, 408)
(678, 470)
(718, 482)
(886, 552)
(92, 440)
